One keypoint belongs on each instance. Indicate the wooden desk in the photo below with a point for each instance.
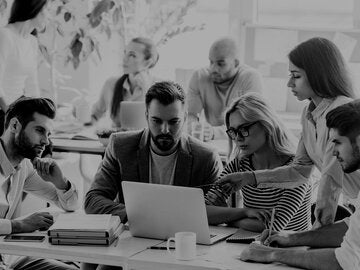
(96, 148)
(132, 253)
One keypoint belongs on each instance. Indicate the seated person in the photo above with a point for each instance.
(337, 245)
(262, 142)
(140, 56)
(160, 154)
(212, 89)
(28, 123)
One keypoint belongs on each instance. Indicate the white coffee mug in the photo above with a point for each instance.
(185, 245)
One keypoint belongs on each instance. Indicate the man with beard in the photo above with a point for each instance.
(28, 122)
(160, 154)
(213, 88)
(337, 246)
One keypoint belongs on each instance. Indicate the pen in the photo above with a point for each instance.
(162, 248)
(272, 220)
(116, 241)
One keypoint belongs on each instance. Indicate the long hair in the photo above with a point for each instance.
(23, 10)
(150, 52)
(253, 108)
(324, 67)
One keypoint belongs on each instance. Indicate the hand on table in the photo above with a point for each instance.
(36, 221)
(257, 253)
(261, 214)
(275, 239)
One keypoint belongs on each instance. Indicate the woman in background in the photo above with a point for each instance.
(318, 74)
(140, 56)
(19, 51)
(261, 142)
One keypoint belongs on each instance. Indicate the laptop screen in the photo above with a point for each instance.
(159, 211)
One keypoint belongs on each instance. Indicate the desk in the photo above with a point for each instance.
(78, 146)
(96, 148)
(132, 253)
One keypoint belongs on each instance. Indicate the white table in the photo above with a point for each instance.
(132, 253)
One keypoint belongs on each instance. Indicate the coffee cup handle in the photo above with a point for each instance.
(168, 245)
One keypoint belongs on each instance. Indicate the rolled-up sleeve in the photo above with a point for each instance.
(67, 200)
(348, 254)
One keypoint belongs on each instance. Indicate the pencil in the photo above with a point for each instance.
(272, 220)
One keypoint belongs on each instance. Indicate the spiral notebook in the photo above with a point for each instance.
(242, 236)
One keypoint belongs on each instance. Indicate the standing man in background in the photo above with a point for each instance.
(213, 88)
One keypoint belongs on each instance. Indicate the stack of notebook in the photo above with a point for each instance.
(82, 229)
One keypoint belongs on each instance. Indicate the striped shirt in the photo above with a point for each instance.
(292, 206)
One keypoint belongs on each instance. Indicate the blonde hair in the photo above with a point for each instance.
(253, 108)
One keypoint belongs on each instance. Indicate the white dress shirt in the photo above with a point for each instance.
(13, 181)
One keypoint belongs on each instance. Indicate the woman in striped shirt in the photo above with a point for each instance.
(261, 142)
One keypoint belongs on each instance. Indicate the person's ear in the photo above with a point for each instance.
(148, 63)
(237, 62)
(15, 125)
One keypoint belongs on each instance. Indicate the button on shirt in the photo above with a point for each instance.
(13, 181)
(314, 148)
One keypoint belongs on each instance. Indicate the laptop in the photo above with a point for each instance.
(159, 211)
(132, 115)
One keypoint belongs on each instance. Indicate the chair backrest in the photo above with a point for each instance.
(341, 213)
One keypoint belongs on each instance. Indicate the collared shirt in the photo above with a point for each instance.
(314, 148)
(348, 254)
(13, 181)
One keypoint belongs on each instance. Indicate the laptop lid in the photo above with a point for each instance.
(132, 115)
(159, 211)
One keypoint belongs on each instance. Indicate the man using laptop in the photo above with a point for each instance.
(336, 246)
(161, 154)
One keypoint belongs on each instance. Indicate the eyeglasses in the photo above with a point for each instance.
(241, 131)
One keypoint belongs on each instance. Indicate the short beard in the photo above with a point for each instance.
(24, 147)
(355, 162)
(163, 146)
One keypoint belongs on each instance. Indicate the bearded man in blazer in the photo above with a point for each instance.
(161, 153)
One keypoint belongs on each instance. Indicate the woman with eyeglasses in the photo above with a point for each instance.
(261, 142)
(318, 74)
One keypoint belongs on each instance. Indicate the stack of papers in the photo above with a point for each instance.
(82, 229)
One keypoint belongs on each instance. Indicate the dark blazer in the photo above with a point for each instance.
(127, 159)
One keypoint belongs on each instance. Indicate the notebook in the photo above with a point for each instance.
(73, 225)
(132, 115)
(159, 211)
(242, 236)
